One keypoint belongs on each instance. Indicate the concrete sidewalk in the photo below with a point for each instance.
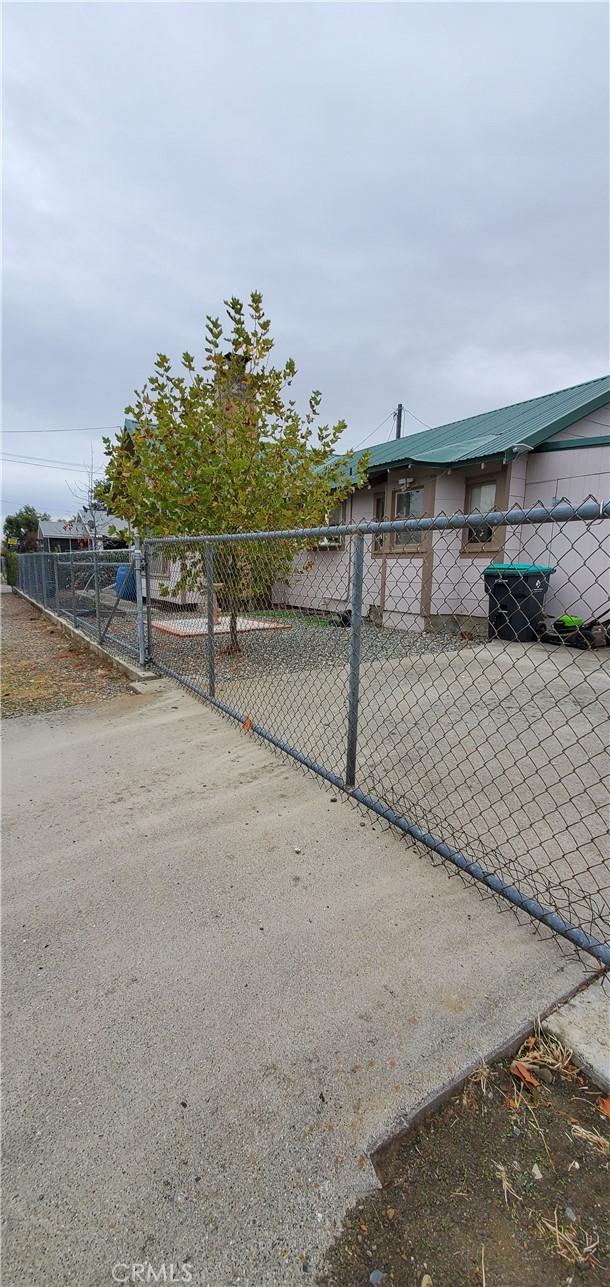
(221, 989)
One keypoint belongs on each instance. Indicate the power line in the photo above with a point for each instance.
(42, 460)
(391, 416)
(412, 413)
(41, 464)
(81, 429)
(370, 435)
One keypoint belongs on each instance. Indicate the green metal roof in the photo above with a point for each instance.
(502, 432)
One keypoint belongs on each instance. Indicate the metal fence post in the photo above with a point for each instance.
(54, 563)
(43, 565)
(209, 572)
(137, 566)
(354, 659)
(72, 585)
(149, 634)
(96, 586)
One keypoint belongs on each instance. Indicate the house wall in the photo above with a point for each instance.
(579, 552)
(456, 578)
(392, 583)
(321, 580)
(443, 580)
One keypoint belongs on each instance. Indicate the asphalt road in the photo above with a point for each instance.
(221, 988)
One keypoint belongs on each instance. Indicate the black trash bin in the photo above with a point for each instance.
(516, 595)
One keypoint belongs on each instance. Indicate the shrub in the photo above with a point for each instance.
(10, 567)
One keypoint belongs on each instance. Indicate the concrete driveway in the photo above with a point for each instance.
(221, 988)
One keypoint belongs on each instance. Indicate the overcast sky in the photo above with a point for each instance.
(419, 190)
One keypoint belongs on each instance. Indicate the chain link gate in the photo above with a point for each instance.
(97, 591)
(462, 702)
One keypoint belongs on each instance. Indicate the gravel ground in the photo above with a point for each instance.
(42, 670)
(308, 644)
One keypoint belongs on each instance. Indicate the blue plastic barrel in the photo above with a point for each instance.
(125, 581)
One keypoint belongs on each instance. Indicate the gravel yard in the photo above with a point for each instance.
(43, 670)
(310, 643)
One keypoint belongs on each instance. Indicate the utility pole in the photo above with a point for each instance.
(398, 419)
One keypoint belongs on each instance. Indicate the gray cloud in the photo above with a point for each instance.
(420, 191)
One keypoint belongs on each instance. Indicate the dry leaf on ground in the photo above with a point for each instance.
(521, 1070)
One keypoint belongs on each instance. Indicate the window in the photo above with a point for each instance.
(408, 504)
(480, 498)
(337, 515)
(334, 518)
(378, 517)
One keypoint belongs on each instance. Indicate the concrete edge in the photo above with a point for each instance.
(582, 1025)
(131, 669)
(407, 1124)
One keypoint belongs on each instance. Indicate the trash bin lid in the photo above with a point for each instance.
(519, 569)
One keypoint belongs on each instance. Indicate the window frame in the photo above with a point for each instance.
(333, 542)
(483, 549)
(408, 546)
(379, 539)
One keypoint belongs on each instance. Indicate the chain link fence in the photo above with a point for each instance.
(449, 673)
(98, 591)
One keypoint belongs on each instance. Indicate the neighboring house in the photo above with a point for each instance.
(546, 449)
(90, 528)
(96, 527)
(54, 535)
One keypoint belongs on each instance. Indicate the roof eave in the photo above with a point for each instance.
(459, 462)
(561, 422)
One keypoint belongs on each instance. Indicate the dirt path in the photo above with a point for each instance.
(42, 670)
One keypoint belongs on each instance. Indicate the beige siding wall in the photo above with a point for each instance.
(321, 580)
(581, 554)
(593, 426)
(410, 587)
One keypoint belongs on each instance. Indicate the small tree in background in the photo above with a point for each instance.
(224, 449)
(22, 527)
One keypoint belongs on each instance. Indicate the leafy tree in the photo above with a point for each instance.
(225, 449)
(22, 527)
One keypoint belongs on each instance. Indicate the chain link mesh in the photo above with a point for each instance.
(472, 699)
(450, 673)
(90, 589)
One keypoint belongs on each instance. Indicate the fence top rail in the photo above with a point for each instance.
(81, 556)
(563, 512)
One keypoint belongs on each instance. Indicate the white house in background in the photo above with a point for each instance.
(546, 449)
